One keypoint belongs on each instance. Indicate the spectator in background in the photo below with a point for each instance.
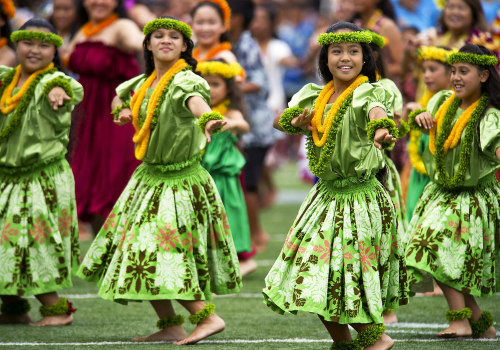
(421, 14)
(7, 53)
(64, 20)
(261, 137)
(342, 10)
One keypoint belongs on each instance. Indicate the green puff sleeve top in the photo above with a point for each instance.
(43, 133)
(176, 136)
(393, 98)
(483, 161)
(354, 155)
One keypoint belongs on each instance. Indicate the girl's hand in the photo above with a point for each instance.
(303, 121)
(425, 120)
(212, 126)
(229, 124)
(57, 96)
(408, 108)
(382, 136)
(124, 117)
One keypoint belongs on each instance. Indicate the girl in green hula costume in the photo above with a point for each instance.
(39, 246)
(342, 258)
(456, 224)
(391, 181)
(222, 158)
(167, 237)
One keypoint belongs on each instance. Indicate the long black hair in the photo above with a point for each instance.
(40, 22)
(186, 55)
(490, 87)
(224, 37)
(369, 69)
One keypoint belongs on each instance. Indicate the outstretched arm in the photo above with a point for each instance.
(382, 135)
(198, 107)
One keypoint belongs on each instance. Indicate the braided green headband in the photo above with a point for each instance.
(472, 58)
(378, 39)
(52, 38)
(351, 37)
(167, 23)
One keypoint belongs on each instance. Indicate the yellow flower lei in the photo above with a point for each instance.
(8, 102)
(458, 127)
(222, 107)
(141, 136)
(225, 70)
(413, 147)
(433, 53)
(319, 108)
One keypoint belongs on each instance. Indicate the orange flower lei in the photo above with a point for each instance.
(90, 29)
(3, 42)
(8, 102)
(212, 53)
(413, 147)
(141, 136)
(458, 127)
(320, 105)
(8, 8)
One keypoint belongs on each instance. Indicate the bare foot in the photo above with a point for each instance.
(390, 317)
(169, 334)
(260, 241)
(384, 343)
(247, 266)
(59, 320)
(15, 319)
(210, 326)
(458, 328)
(490, 333)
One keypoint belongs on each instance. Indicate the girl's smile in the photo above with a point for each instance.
(35, 54)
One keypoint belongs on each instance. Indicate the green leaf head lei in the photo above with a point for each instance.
(52, 38)
(167, 23)
(472, 58)
(378, 39)
(363, 36)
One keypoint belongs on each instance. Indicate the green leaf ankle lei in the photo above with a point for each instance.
(20, 110)
(462, 314)
(370, 335)
(170, 321)
(318, 165)
(347, 345)
(286, 120)
(203, 314)
(466, 147)
(18, 307)
(60, 308)
(382, 123)
(206, 117)
(480, 326)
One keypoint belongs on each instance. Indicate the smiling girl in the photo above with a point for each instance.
(167, 237)
(456, 225)
(39, 247)
(342, 258)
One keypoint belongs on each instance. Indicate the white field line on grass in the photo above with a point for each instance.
(233, 341)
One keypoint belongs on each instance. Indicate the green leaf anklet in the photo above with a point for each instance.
(18, 307)
(203, 314)
(454, 315)
(170, 321)
(60, 308)
(480, 326)
(370, 335)
(347, 345)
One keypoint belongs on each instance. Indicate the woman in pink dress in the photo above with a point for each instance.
(102, 154)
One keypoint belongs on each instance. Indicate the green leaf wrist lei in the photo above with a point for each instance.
(52, 38)
(383, 123)
(121, 107)
(58, 82)
(206, 117)
(364, 36)
(411, 119)
(403, 130)
(286, 120)
(472, 58)
(167, 23)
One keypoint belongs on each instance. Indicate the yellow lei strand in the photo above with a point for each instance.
(8, 103)
(222, 107)
(141, 136)
(414, 146)
(458, 127)
(319, 107)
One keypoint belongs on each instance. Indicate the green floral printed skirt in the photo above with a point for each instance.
(342, 258)
(167, 237)
(39, 247)
(393, 186)
(453, 238)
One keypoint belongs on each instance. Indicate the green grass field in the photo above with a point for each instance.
(250, 324)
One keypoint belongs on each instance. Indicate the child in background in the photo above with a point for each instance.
(342, 259)
(39, 246)
(167, 237)
(456, 224)
(222, 158)
(7, 54)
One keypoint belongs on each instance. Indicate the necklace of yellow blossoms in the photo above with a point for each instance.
(222, 107)
(414, 145)
(330, 126)
(142, 132)
(448, 137)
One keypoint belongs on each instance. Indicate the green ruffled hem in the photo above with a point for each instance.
(486, 181)
(31, 170)
(349, 186)
(167, 170)
(48, 288)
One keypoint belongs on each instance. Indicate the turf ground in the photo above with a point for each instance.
(250, 324)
